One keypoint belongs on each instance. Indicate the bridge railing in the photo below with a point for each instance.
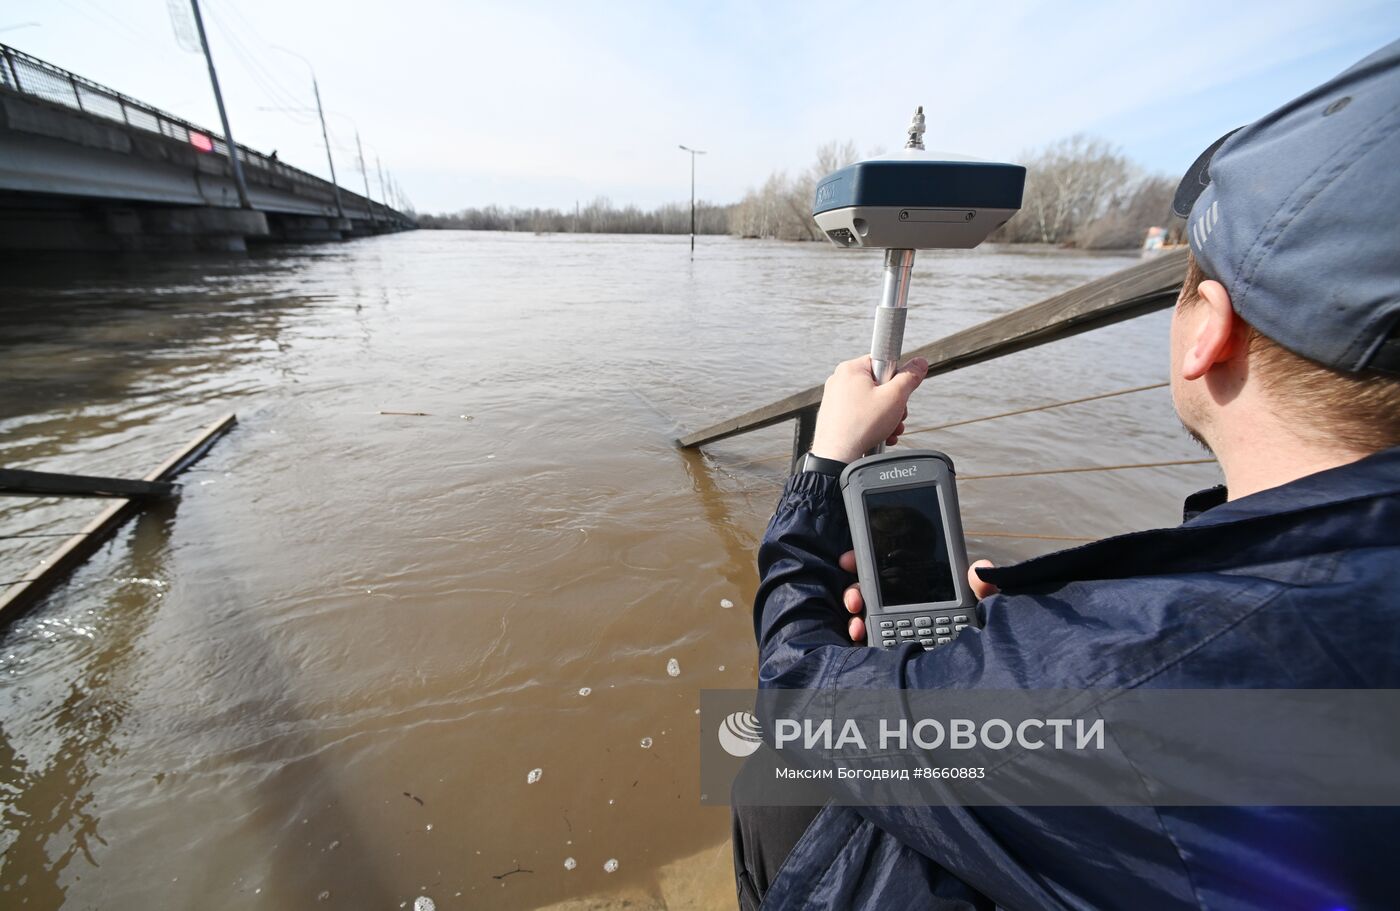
(29, 75)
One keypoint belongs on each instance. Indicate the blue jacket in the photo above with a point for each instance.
(1293, 587)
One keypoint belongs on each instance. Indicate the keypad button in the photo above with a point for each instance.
(942, 621)
(926, 642)
(886, 624)
(922, 621)
(960, 618)
(959, 627)
(943, 639)
(902, 624)
(887, 633)
(906, 633)
(890, 643)
(944, 630)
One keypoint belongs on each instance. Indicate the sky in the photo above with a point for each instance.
(545, 104)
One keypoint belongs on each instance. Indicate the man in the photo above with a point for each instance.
(1285, 363)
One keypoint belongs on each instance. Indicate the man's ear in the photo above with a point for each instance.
(1214, 332)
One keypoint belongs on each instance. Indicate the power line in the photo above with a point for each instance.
(265, 79)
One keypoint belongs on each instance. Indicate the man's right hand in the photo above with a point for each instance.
(856, 414)
(855, 604)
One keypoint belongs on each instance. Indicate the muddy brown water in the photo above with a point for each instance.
(328, 669)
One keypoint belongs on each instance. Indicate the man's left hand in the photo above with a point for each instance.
(855, 604)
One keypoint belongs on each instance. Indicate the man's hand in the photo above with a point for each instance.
(856, 413)
(855, 603)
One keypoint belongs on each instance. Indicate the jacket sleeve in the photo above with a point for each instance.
(799, 620)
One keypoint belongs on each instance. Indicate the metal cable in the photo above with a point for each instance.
(1007, 534)
(1046, 471)
(1007, 414)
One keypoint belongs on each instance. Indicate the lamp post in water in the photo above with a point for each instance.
(693, 153)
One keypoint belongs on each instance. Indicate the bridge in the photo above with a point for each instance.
(84, 167)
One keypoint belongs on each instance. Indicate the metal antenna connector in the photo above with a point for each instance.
(916, 130)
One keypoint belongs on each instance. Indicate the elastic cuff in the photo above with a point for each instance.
(813, 487)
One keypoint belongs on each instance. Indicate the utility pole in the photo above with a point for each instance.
(382, 194)
(223, 114)
(693, 153)
(325, 136)
(364, 173)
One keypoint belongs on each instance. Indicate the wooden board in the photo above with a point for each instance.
(21, 482)
(17, 598)
(1137, 290)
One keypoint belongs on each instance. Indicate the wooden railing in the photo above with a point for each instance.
(1144, 288)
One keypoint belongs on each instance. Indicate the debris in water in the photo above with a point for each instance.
(325, 895)
(518, 869)
(721, 667)
(424, 903)
(146, 581)
(406, 414)
(570, 863)
(610, 866)
(585, 690)
(725, 603)
(333, 845)
(413, 797)
(646, 743)
(673, 667)
(534, 776)
(430, 827)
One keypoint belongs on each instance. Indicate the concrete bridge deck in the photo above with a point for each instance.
(83, 166)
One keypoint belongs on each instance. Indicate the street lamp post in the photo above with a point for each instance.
(693, 153)
(233, 155)
(365, 174)
(325, 137)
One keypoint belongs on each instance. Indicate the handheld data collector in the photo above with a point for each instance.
(910, 556)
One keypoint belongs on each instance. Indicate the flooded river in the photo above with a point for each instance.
(328, 671)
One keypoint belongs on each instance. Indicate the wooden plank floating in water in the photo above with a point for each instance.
(21, 482)
(40, 580)
(1129, 293)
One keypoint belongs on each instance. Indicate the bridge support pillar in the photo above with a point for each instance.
(184, 228)
(305, 229)
(65, 223)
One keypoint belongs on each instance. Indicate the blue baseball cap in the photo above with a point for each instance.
(1298, 216)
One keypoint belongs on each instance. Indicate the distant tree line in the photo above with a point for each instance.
(597, 217)
(1080, 192)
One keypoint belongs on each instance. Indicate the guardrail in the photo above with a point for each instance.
(1129, 293)
(29, 75)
